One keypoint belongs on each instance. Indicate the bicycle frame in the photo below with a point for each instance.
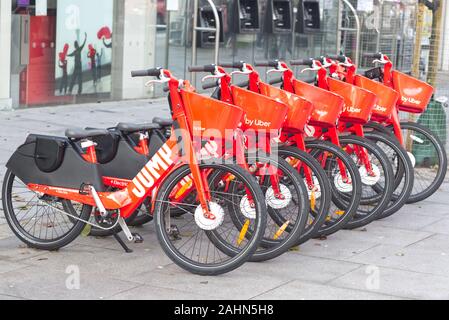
(328, 133)
(254, 86)
(151, 176)
(243, 140)
(365, 106)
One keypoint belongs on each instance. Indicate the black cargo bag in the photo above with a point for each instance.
(49, 153)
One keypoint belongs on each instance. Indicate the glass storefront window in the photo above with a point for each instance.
(75, 51)
(65, 50)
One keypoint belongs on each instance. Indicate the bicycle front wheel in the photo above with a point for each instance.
(189, 240)
(334, 160)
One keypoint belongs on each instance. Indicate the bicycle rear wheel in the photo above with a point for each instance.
(40, 221)
(187, 239)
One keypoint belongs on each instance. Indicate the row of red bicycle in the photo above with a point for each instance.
(243, 175)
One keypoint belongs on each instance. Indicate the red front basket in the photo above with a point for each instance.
(261, 112)
(387, 97)
(414, 94)
(359, 102)
(300, 110)
(210, 118)
(327, 106)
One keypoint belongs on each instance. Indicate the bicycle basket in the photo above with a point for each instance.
(327, 106)
(387, 97)
(210, 118)
(261, 112)
(414, 94)
(300, 110)
(359, 102)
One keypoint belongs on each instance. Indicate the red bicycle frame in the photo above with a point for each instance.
(152, 175)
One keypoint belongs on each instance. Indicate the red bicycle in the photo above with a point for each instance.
(287, 196)
(285, 192)
(46, 172)
(299, 113)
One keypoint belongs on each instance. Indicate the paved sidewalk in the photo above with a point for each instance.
(403, 257)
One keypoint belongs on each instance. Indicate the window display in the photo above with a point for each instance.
(84, 47)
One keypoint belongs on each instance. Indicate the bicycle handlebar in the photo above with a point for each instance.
(373, 55)
(154, 72)
(207, 68)
(302, 62)
(233, 65)
(271, 63)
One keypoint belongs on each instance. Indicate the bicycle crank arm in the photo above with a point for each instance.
(126, 230)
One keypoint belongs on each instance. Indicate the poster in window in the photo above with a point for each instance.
(83, 47)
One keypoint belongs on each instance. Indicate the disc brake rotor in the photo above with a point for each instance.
(209, 224)
(316, 188)
(370, 179)
(341, 185)
(247, 208)
(276, 202)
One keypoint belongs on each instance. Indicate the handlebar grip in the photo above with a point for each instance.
(155, 72)
(302, 62)
(207, 68)
(373, 55)
(233, 65)
(339, 58)
(271, 63)
(276, 81)
(207, 86)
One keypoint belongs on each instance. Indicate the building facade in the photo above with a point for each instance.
(56, 52)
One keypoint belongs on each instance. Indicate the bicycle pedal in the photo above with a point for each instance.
(138, 238)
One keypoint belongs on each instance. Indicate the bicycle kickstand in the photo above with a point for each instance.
(122, 243)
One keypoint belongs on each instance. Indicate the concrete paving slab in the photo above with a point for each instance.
(335, 248)
(301, 290)
(411, 258)
(11, 298)
(383, 235)
(435, 243)
(7, 266)
(294, 265)
(441, 226)
(155, 293)
(98, 261)
(39, 283)
(408, 220)
(12, 249)
(394, 282)
(228, 286)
